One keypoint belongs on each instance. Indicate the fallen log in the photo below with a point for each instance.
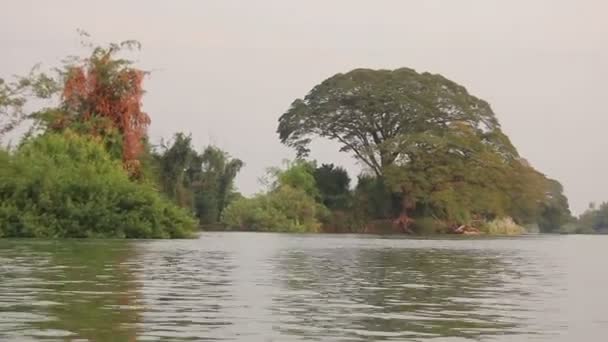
(464, 230)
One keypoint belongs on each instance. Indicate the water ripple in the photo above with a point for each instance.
(271, 287)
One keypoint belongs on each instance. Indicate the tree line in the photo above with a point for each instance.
(434, 160)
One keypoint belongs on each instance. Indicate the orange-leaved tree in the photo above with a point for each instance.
(103, 93)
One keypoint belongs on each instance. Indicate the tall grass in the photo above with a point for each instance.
(503, 226)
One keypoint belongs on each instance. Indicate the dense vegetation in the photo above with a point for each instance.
(67, 185)
(435, 160)
(81, 169)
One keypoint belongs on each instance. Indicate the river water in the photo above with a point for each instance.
(274, 287)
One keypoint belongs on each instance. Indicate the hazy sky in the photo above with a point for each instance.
(226, 70)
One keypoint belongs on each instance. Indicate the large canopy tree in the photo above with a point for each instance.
(429, 139)
(374, 113)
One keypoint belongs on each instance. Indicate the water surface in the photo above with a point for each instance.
(273, 287)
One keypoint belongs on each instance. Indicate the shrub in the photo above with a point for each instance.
(283, 210)
(66, 185)
(341, 221)
(503, 226)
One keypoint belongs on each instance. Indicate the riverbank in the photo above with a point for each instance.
(420, 227)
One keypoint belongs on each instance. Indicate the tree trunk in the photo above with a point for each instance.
(404, 221)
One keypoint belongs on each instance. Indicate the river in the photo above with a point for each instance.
(277, 287)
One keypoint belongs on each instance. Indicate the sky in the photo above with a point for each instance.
(225, 70)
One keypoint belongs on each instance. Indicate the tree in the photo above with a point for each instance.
(436, 177)
(290, 205)
(284, 209)
(14, 96)
(176, 169)
(334, 186)
(439, 149)
(203, 183)
(373, 113)
(298, 174)
(457, 176)
(101, 96)
(594, 219)
(373, 199)
(216, 187)
(555, 210)
(11, 106)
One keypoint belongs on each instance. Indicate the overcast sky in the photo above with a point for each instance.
(226, 70)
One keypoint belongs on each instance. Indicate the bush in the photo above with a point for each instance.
(340, 221)
(503, 226)
(66, 185)
(245, 214)
(283, 210)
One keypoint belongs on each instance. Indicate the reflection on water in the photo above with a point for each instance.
(394, 293)
(67, 290)
(270, 287)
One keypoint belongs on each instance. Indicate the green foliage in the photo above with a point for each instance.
(68, 186)
(15, 94)
(175, 166)
(503, 226)
(436, 153)
(203, 182)
(246, 214)
(298, 175)
(284, 209)
(575, 227)
(47, 121)
(458, 176)
(333, 184)
(216, 189)
(373, 113)
(373, 199)
(290, 205)
(555, 210)
(594, 219)
(435, 149)
(342, 221)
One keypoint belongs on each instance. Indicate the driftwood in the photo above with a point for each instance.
(464, 230)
